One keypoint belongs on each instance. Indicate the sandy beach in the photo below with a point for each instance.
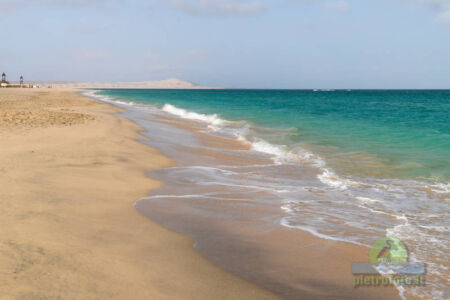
(242, 234)
(224, 149)
(70, 172)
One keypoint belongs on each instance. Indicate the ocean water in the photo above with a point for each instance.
(343, 165)
(403, 134)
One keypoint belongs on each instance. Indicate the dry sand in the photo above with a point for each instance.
(70, 172)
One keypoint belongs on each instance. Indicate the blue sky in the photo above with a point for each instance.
(230, 43)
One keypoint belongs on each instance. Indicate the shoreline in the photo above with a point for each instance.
(70, 172)
(310, 174)
(226, 246)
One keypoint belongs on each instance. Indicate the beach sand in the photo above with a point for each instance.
(243, 235)
(70, 172)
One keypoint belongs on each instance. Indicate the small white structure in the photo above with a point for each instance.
(4, 83)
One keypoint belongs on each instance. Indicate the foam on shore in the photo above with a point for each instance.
(309, 202)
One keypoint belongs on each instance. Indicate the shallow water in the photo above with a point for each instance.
(345, 166)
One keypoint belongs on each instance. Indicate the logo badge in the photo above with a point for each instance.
(388, 265)
(388, 250)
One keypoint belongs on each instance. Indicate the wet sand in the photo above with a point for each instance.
(70, 172)
(243, 235)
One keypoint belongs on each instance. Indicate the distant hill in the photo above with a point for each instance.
(172, 83)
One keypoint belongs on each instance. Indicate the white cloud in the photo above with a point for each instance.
(442, 7)
(217, 7)
(340, 6)
(444, 17)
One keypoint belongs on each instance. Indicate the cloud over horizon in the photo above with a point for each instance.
(217, 7)
(232, 43)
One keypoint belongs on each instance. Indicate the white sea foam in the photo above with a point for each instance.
(214, 169)
(379, 196)
(286, 223)
(367, 200)
(429, 248)
(95, 94)
(436, 228)
(89, 93)
(281, 153)
(376, 211)
(245, 186)
(278, 152)
(441, 188)
(210, 119)
(329, 178)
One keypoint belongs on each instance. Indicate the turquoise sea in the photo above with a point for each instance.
(343, 165)
(392, 133)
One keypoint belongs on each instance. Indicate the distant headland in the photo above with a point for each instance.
(172, 83)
